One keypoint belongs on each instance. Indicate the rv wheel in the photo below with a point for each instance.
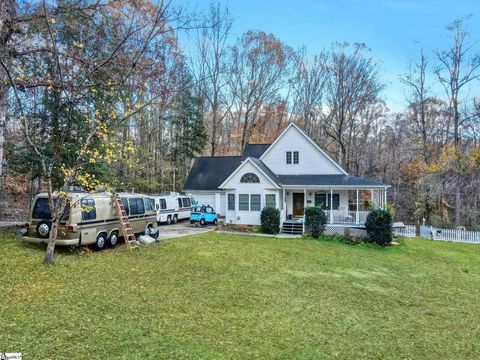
(101, 242)
(169, 220)
(175, 219)
(113, 240)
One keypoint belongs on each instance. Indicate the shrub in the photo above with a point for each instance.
(379, 227)
(315, 220)
(270, 219)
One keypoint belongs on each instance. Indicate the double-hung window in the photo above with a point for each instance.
(255, 202)
(292, 157)
(270, 200)
(288, 157)
(231, 201)
(296, 157)
(243, 202)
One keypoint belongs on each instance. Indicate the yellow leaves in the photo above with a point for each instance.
(78, 44)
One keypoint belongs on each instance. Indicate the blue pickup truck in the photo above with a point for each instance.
(203, 214)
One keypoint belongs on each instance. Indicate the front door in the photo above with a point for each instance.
(298, 203)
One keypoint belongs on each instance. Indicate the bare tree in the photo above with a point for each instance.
(353, 84)
(259, 69)
(415, 79)
(307, 86)
(210, 69)
(7, 16)
(457, 68)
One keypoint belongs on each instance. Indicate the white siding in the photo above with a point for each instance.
(265, 186)
(311, 160)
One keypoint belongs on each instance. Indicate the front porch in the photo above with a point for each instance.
(343, 206)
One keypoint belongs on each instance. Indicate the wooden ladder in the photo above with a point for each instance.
(125, 226)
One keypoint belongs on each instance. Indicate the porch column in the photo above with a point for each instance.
(357, 214)
(304, 207)
(385, 200)
(331, 207)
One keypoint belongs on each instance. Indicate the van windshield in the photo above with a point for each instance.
(41, 210)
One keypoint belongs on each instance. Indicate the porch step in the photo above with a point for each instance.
(292, 228)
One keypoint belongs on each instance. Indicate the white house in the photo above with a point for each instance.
(291, 173)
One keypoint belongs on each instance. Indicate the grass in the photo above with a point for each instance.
(222, 296)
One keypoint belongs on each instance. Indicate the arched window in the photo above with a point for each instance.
(249, 178)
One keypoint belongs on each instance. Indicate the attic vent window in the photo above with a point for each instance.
(249, 178)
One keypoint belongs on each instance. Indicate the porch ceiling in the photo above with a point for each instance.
(327, 182)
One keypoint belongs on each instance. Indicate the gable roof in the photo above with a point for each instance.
(260, 166)
(209, 172)
(255, 150)
(292, 125)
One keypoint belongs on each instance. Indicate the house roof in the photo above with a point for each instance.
(266, 170)
(255, 150)
(327, 180)
(285, 131)
(208, 173)
(260, 166)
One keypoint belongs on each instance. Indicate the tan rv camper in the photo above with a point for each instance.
(91, 219)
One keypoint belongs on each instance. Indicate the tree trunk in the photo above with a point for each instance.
(3, 116)
(48, 259)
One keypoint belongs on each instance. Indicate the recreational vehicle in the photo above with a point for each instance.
(91, 219)
(166, 207)
(184, 203)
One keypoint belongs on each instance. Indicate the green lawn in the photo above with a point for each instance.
(221, 296)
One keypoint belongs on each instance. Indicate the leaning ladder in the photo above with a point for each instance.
(125, 226)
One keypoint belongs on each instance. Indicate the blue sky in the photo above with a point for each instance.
(395, 30)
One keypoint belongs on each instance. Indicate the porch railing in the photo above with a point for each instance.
(347, 217)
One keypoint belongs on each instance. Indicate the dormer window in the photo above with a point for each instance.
(292, 155)
(295, 157)
(249, 178)
(289, 157)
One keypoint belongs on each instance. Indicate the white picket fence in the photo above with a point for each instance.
(407, 231)
(428, 232)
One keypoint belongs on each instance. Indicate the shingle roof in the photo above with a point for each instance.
(325, 180)
(255, 150)
(208, 173)
(266, 170)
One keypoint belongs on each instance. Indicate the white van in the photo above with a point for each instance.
(166, 208)
(184, 205)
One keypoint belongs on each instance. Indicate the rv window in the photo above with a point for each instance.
(140, 206)
(136, 206)
(125, 205)
(163, 204)
(186, 202)
(88, 209)
(148, 204)
(133, 206)
(179, 202)
(41, 210)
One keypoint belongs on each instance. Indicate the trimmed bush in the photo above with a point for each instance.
(379, 227)
(315, 220)
(270, 219)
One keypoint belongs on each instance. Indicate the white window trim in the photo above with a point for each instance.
(292, 157)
